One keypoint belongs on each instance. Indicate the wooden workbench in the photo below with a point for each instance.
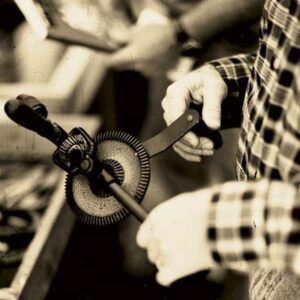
(42, 257)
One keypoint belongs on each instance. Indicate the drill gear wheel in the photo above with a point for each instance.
(126, 159)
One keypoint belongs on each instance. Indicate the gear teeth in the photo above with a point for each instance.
(140, 191)
(69, 142)
(141, 152)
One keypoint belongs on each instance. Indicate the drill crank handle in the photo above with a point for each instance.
(124, 198)
(31, 114)
(172, 133)
(192, 120)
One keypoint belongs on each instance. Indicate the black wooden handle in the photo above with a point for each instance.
(231, 112)
(31, 114)
(215, 136)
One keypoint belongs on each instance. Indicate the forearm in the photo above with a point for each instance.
(212, 17)
(255, 224)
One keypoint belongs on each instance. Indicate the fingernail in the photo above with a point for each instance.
(215, 123)
(190, 139)
(207, 145)
(212, 122)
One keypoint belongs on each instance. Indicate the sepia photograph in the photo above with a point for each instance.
(150, 149)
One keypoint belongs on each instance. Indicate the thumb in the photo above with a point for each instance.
(214, 91)
(144, 234)
(176, 102)
(167, 276)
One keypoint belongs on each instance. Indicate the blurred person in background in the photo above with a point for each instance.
(65, 77)
(251, 225)
(165, 28)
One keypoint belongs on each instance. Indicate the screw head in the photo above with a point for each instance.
(85, 164)
(190, 118)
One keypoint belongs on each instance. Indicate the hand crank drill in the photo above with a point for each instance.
(76, 151)
(31, 114)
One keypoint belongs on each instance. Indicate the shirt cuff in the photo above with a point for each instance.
(236, 225)
(230, 80)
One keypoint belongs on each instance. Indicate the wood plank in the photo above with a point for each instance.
(43, 254)
(42, 258)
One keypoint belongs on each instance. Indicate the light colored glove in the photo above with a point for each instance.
(206, 86)
(151, 50)
(174, 235)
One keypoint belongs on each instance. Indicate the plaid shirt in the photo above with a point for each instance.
(256, 221)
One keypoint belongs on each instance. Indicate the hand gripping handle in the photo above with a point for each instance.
(192, 120)
(31, 114)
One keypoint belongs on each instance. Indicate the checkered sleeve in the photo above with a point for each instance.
(255, 224)
(235, 70)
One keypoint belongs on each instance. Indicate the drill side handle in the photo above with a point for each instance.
(31, 114)
(192, 120)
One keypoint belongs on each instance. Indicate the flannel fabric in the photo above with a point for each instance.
(257, 221)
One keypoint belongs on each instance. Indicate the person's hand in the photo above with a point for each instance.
(206, 86)
(174, 235)
(151, 50)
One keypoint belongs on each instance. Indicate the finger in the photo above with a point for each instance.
(122, 59)
(187, 156)
(206, 143)
(213, 93)
(166, 277)
(207, 152)
(194, 81)
(194, 151)
(173, 110)
(190, 139)
(144, 234)
(175, 103)
(187, 148)
(164, 103)
(153, 250)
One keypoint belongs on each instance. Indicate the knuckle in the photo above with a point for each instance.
(221, 86)
(170, 89)
(164, 104)
(165, 117)
(212, 109)
(209, 71)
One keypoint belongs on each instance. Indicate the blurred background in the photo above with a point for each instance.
(80, 88)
